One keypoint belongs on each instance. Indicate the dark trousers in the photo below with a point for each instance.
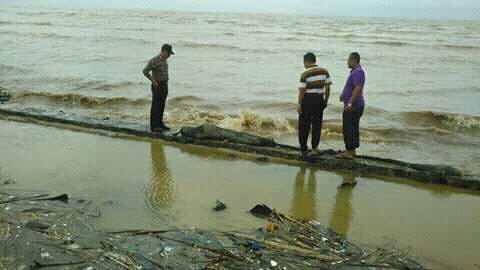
(351, 128)
(159, 97)
(310, 119)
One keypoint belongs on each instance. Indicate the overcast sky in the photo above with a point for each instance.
(438, 9)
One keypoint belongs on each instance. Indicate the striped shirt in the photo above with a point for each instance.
(159, 68)
(314, 79)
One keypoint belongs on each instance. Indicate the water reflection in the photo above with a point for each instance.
(160, 191)
(342, 212)
(304, 201)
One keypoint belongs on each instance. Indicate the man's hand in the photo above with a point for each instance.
(299, 108)
(349, 107)
(325, 105)
(154, 83)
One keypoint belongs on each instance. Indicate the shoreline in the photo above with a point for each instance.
(125, 176)
(363, 165)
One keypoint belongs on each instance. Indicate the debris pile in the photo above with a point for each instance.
(39, 231)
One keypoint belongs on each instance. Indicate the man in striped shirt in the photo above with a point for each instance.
(313, 94)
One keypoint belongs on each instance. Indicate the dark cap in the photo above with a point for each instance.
(167, 48)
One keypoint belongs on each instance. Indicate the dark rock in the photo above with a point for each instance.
(220, 206)
(8, 182)
(62, 198)
(261, 210)
(212, 132)
(37, 226)
(262, 159)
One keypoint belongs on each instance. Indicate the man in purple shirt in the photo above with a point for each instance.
(354, 103)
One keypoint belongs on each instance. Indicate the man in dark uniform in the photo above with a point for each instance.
(313, 94)
(156, 71)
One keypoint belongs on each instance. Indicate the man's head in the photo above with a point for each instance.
(166, 51)
(353, 60)
(309, 60)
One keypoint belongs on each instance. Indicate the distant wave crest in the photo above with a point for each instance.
(77, 99)
(450, 121)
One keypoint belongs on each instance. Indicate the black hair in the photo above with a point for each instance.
(355, 57)
(310, 57)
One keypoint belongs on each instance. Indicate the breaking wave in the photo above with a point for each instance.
(461, 47)
(392, 43)
(192, 110)
(24, 23)
(247, 120)
(6, 69)
(197, 45)
(37, 35)
(449, 121)
(77, 99)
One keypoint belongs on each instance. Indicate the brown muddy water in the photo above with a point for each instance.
(152, 184)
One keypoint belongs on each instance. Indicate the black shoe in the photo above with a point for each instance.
(164, 127)
(304, 152)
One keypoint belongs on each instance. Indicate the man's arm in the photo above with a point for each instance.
(358, 81)
(302, 88)
(327, 93)
(146, 72)
(328, 83)
(301, 95)
(356, 93)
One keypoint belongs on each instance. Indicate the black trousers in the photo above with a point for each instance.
(351, 128)
(159, 97)
(310, 119)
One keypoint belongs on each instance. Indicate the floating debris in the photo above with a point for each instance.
(220, 206)
(65, 239)
(61, 198)
(46, 255)
(261, 210)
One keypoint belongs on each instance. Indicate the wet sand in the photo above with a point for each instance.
(150, 184)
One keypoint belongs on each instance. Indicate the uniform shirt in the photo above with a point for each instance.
(314, 79)
(159, 68)
(355, 78)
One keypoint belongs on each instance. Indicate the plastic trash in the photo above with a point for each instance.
(46, 255)
(271, 226)
(255, 246)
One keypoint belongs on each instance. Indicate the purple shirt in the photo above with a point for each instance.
(356, 77)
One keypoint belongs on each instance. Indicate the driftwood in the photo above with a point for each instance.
(285, 247)
(215, 137)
